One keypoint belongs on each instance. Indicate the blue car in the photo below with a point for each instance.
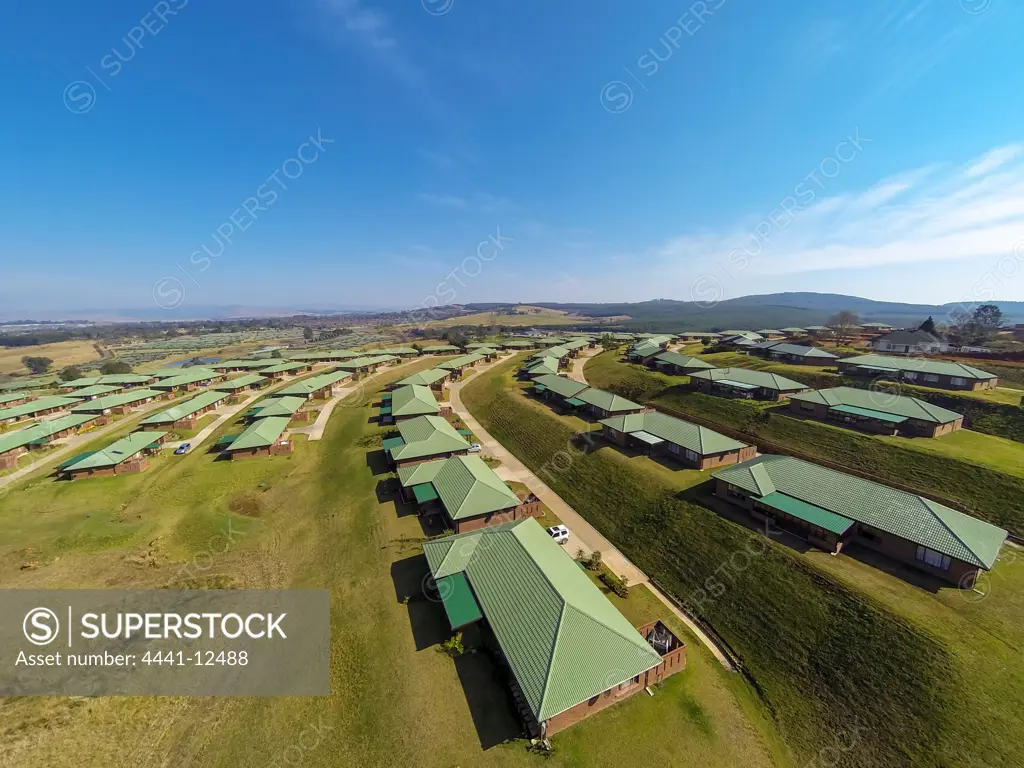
(183, 448)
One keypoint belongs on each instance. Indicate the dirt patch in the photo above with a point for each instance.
(248, 504)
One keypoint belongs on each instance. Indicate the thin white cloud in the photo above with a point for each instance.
(927, 217)
(997, 158)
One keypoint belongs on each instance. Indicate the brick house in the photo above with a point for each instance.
(793, 354)
(692, 445)
(520, 594)
(832, 511)
(745, 383)
(129, 455)
(465, 492)
(264, 437)
(940, 374)
(879, 412)
(676, 364)
(424, 438)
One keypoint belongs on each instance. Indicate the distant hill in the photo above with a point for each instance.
(772, 310)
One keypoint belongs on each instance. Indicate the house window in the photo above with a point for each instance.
(958, 381)
(612, 432)
(933, 558)
(910, 374)
(673, 448)
(804, 406)
(692, 455)
(735, 492)
(931, 377)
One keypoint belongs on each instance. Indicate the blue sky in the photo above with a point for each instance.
(614, 151)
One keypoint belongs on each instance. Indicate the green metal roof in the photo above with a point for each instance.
(564, 642)
(919, 365)
(96, 390)
(460, 362)
(40, 432)
(427, 436)
(750, 377)
(426, 378)
(117, 452)
(810, 513)
(313, 383)
(902, 514)
(885, 402)
(424, 492)
(575, 402)
(868, 413)
(241, 364)
(556, 352)
(284, 367)
(548, 365)
(457, 598)
(683, 361)
(261, 433)
(278, 406)
(737, 384)
(186, 377)
(441, 348)
(607, 401)
(185, 409)
(794, 330)
(465, 484)
(249, 380)
(696, 438)
(12, 396)
(800, 350)
(519, 344)
(385, 410)
(386, 396)
(130, 397)
(35, 406)
(560, 385)
(392, 442)
(413, 400)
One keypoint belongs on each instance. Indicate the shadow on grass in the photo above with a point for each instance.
(427, 618)
(911, 576)
(701, 494)
(489, 699)
(377, 461)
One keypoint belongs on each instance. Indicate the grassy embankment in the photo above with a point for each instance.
(909, 677)
(314, 519)
(977, 472)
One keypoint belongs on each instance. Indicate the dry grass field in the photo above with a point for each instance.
(63, 354)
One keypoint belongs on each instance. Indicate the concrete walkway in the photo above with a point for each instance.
(315, 431)
(588, 537)
(576, 372)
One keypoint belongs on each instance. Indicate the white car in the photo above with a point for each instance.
(559, 533)
(474, 447)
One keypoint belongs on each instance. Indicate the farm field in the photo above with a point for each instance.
(63, 354)
(890, 671)
(320, 517)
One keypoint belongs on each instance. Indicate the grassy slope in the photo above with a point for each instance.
(824, 657)
(313, 519)
(63, 354)
(992, 495)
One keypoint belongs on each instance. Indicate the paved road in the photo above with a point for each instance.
(315, 431)
(576, 372)
(583, 534)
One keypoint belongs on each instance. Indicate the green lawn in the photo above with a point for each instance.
(996, 496)
(839, 650)
(315, 519)
(989, 451)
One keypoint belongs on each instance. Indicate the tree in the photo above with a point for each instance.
(843, 323)
(276, 354)
(978, 326)
(70, 373)
(115, 366)
(37, 365)
(307, 333)
(928, 326)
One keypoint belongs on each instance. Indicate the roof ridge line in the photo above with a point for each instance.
(927, 503)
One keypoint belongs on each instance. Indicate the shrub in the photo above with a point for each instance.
(453, 645)
(615, 583)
